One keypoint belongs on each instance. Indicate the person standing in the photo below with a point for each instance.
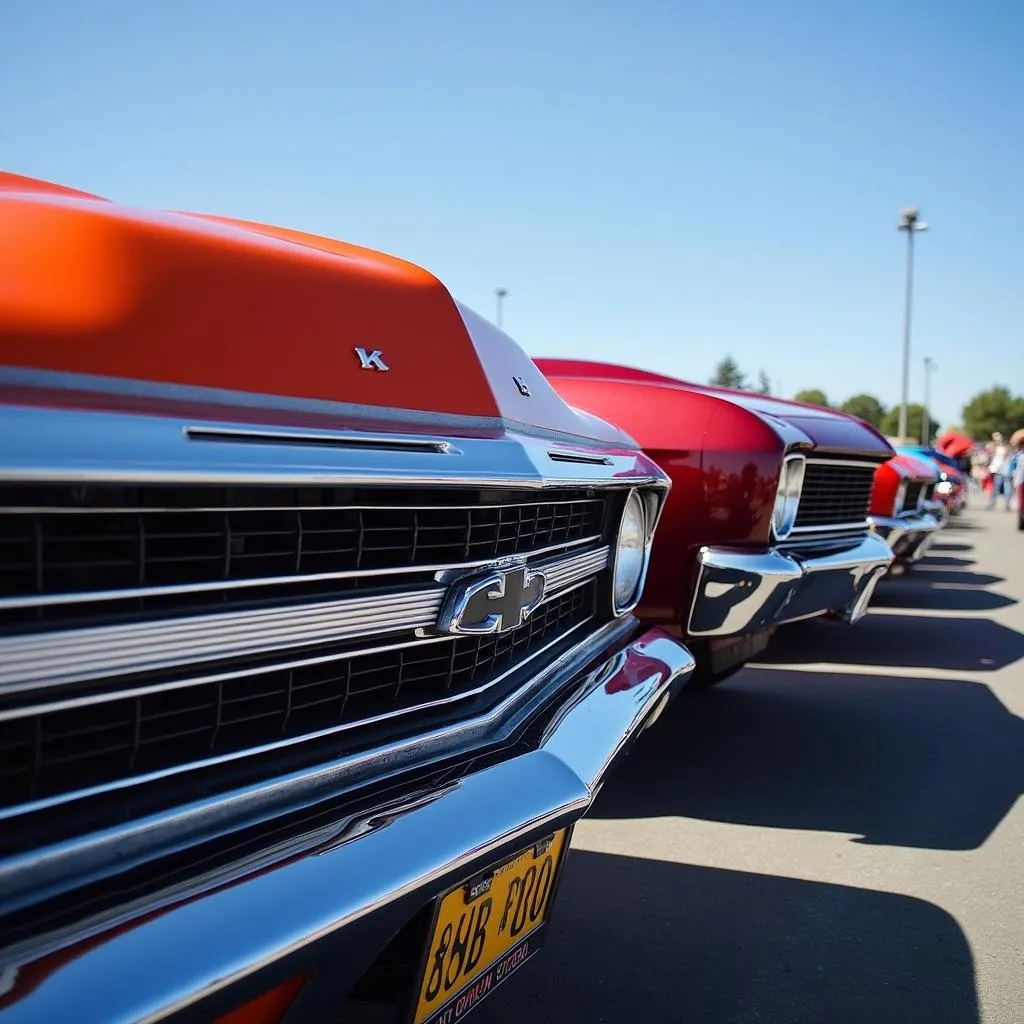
(1001, 468)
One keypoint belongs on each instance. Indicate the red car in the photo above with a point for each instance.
(904, 511)
(317, 628)
(767, 519)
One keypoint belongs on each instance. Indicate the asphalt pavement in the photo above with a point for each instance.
(834, 835)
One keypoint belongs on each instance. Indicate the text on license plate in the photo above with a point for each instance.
(485, 929)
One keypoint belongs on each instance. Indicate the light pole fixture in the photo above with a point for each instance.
(500, 294)
(926, 414)
(911, 223)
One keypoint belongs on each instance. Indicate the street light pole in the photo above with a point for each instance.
(911, 223)
(500, 293)
(926, 415)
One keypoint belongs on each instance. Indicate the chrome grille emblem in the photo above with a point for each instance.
(492, 602)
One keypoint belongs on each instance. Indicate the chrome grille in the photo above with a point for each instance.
(58, 751)
(157, 545)
(150, 631)
(836, 495)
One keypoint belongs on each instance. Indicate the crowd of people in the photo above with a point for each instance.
(998, 469)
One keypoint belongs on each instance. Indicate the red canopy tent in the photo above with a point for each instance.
(954, 445)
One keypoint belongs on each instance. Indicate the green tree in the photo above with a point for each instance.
(812, 396)
(729, 375)
(764, 384)
(992, 410)
(865, 407)
(890, 425)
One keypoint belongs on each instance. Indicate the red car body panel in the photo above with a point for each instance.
(723, 450)
(890, 475)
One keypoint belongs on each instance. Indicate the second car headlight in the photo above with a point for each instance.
(630, 552)
(787, 497)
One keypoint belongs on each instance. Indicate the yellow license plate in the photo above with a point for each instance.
(486, 929)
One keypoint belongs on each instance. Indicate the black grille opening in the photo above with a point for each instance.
(45, 754)
(77, 540)
(835, 494)
(914, 495)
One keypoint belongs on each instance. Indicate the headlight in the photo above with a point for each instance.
(787, 497)
(901, 497)
(630, 552)
(944, 487)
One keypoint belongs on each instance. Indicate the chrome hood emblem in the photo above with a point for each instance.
(494, 601)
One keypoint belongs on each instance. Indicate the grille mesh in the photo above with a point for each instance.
(835, 494)
(915, 489)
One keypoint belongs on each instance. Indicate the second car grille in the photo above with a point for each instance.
(836, 494)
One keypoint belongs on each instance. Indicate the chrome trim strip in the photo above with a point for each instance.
(871, 464)
(119, 846)
(33, 660)
(202, 945)
(7, 813)
(309, 437)
(268, 581)
(861, 525)
(88, 446)
(70, 656)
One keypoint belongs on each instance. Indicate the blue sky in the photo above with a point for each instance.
(660, 183)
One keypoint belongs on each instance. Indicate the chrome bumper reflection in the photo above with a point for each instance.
(168, 961)
(908, 536)
(742, 591)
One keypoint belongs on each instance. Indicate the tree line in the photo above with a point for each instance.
(996, 409)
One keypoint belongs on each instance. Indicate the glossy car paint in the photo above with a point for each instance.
(723, 450)
(97, 289)
(890, 475)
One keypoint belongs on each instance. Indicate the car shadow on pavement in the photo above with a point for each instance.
(929, 763)
(946, 546)
(905, 641)
(941, 591)
(635, 940)
(946, 561)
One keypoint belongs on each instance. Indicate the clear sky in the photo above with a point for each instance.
(658, 183)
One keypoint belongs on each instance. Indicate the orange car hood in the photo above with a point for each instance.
(91, 288)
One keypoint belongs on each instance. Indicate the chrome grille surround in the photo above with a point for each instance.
(274, 623)
(835, 499)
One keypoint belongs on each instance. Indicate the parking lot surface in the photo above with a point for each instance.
(833, 835)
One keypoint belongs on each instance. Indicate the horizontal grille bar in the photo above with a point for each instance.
(64, 751)
(834, 495)
(109, 651)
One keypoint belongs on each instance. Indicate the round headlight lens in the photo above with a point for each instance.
(629, 552)
(787, 497)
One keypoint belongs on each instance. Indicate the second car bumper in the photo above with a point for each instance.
(907, 536)
(741, 591)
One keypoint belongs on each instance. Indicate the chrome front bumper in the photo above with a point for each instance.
(745, 591)
(908, 536)
(205, 954)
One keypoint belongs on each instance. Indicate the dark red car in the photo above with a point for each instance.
(767, 521)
